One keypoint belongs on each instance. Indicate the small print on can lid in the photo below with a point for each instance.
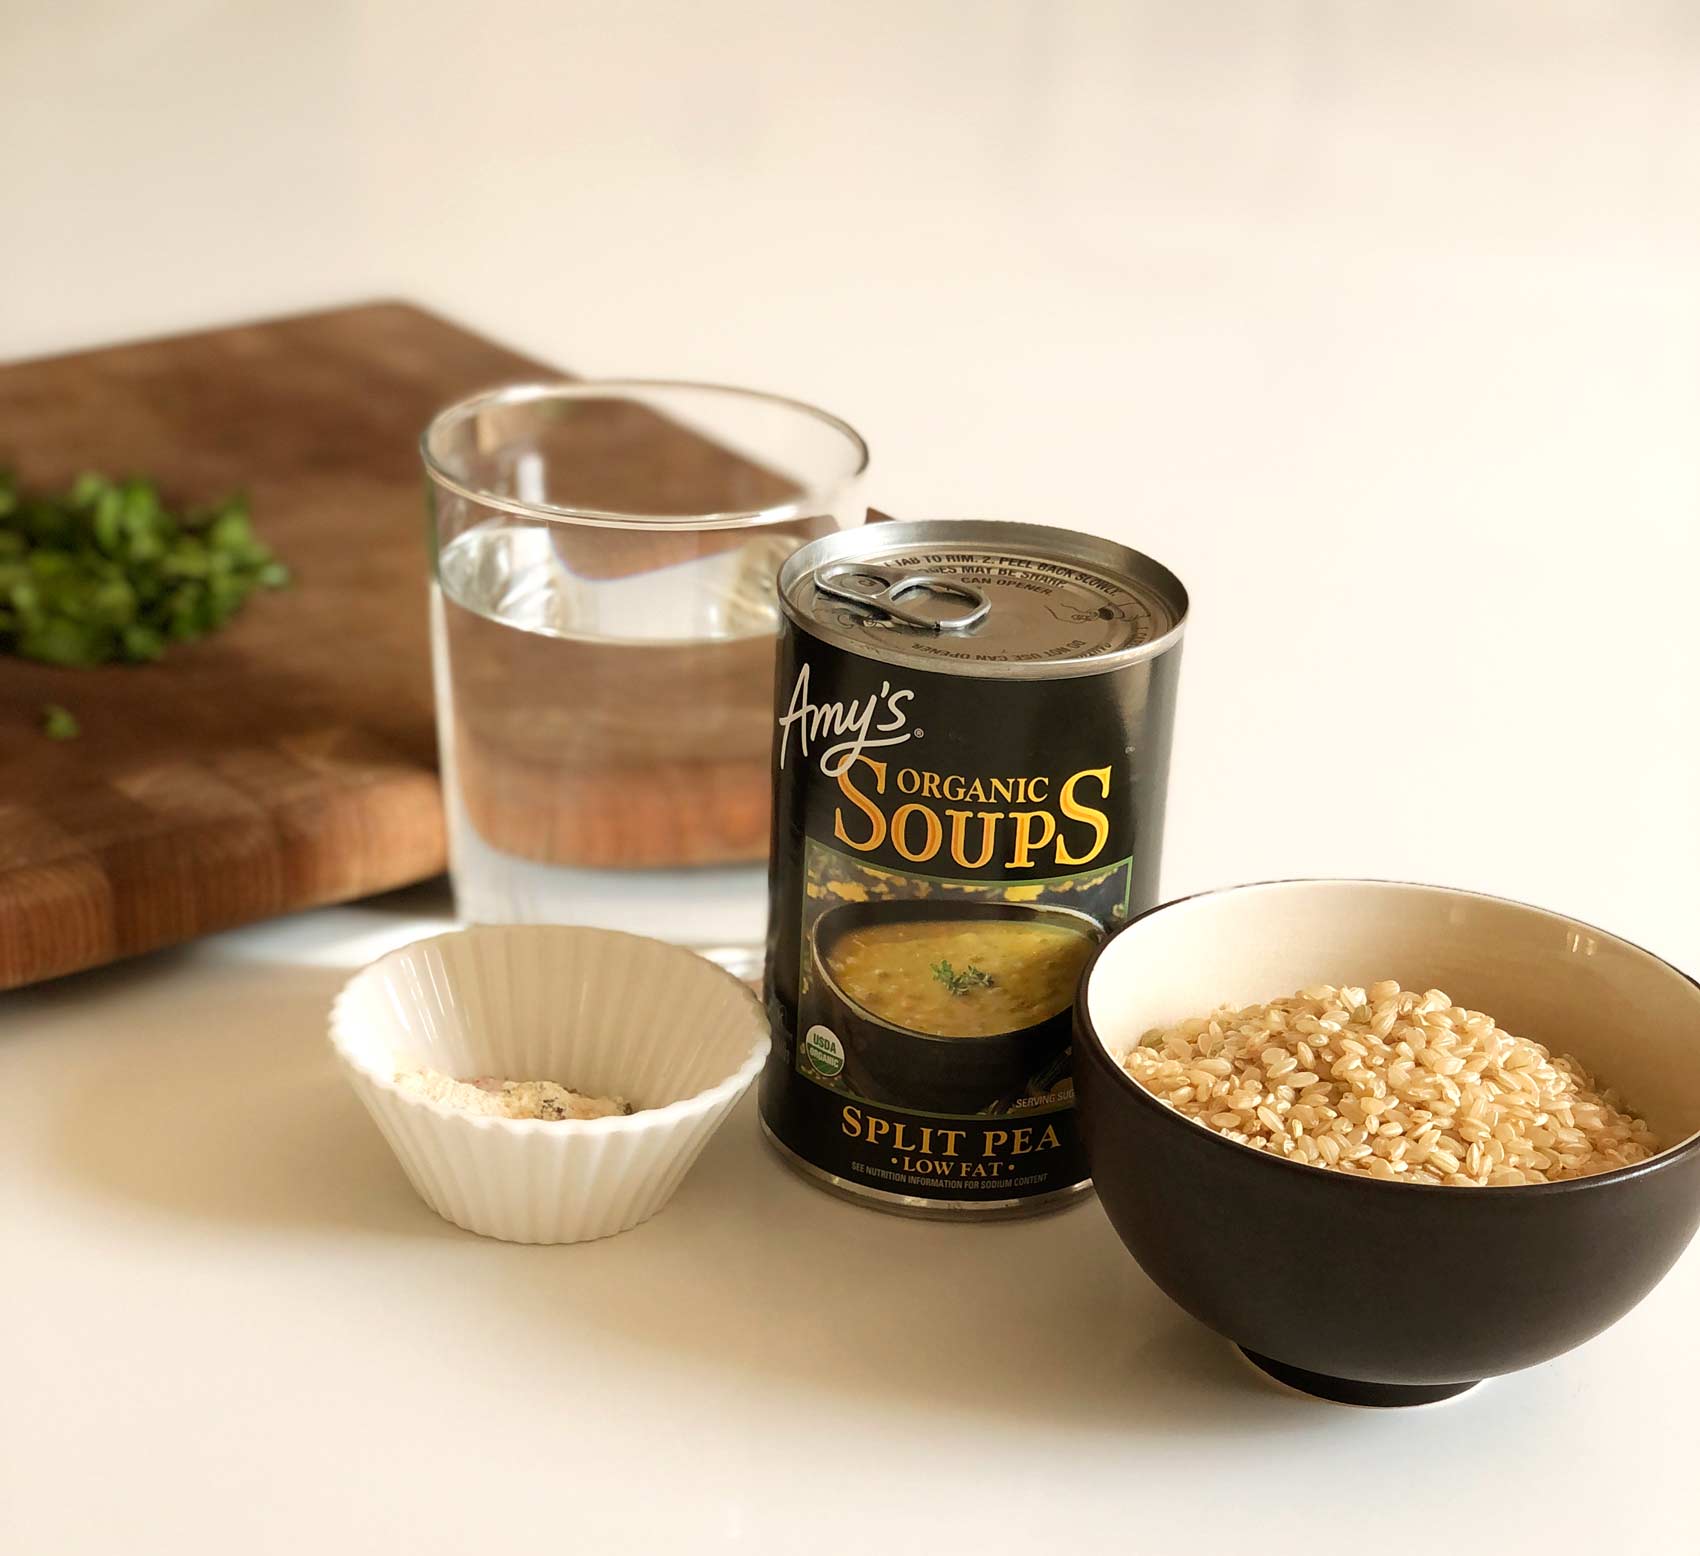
(970, 597)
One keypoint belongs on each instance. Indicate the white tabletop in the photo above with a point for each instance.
(1377, 322)
(229, 1326)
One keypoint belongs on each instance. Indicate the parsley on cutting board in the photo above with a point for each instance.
(107, 573)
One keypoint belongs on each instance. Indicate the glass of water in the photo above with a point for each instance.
(603, 612)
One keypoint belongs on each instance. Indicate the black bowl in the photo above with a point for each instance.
(1354, 1288)
(888, 1063)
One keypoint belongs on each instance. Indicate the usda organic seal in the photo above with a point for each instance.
(823, 1051)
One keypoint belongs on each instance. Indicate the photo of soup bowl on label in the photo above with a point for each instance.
(949, 1007)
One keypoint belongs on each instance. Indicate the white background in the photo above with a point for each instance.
(1378, 322)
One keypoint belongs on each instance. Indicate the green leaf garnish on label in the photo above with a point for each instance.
(970, 978)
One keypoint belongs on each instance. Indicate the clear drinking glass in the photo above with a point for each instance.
(603, 613)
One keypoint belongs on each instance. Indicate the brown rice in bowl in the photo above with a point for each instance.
(1393, 1084)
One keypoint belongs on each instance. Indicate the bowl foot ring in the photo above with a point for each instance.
(1353, 1391)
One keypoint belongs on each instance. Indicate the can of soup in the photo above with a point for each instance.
(970, 755)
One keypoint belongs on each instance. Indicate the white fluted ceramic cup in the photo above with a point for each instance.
(605, 1013)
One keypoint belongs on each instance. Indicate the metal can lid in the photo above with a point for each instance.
(969, 597)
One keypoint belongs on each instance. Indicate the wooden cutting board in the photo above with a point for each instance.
(288, 760)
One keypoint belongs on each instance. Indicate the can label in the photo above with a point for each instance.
(948, 850)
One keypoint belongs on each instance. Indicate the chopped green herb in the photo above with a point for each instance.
(971, 977)
(59, 723)
(108, 572)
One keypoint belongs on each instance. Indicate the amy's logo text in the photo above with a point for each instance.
(877, 720)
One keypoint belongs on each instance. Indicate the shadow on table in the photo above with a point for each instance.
(223, 1105)
(220, 1101)
(755, 1275)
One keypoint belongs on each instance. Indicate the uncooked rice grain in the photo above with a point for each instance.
(1388, 1083)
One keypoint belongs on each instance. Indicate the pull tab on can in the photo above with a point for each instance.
(884, 589)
